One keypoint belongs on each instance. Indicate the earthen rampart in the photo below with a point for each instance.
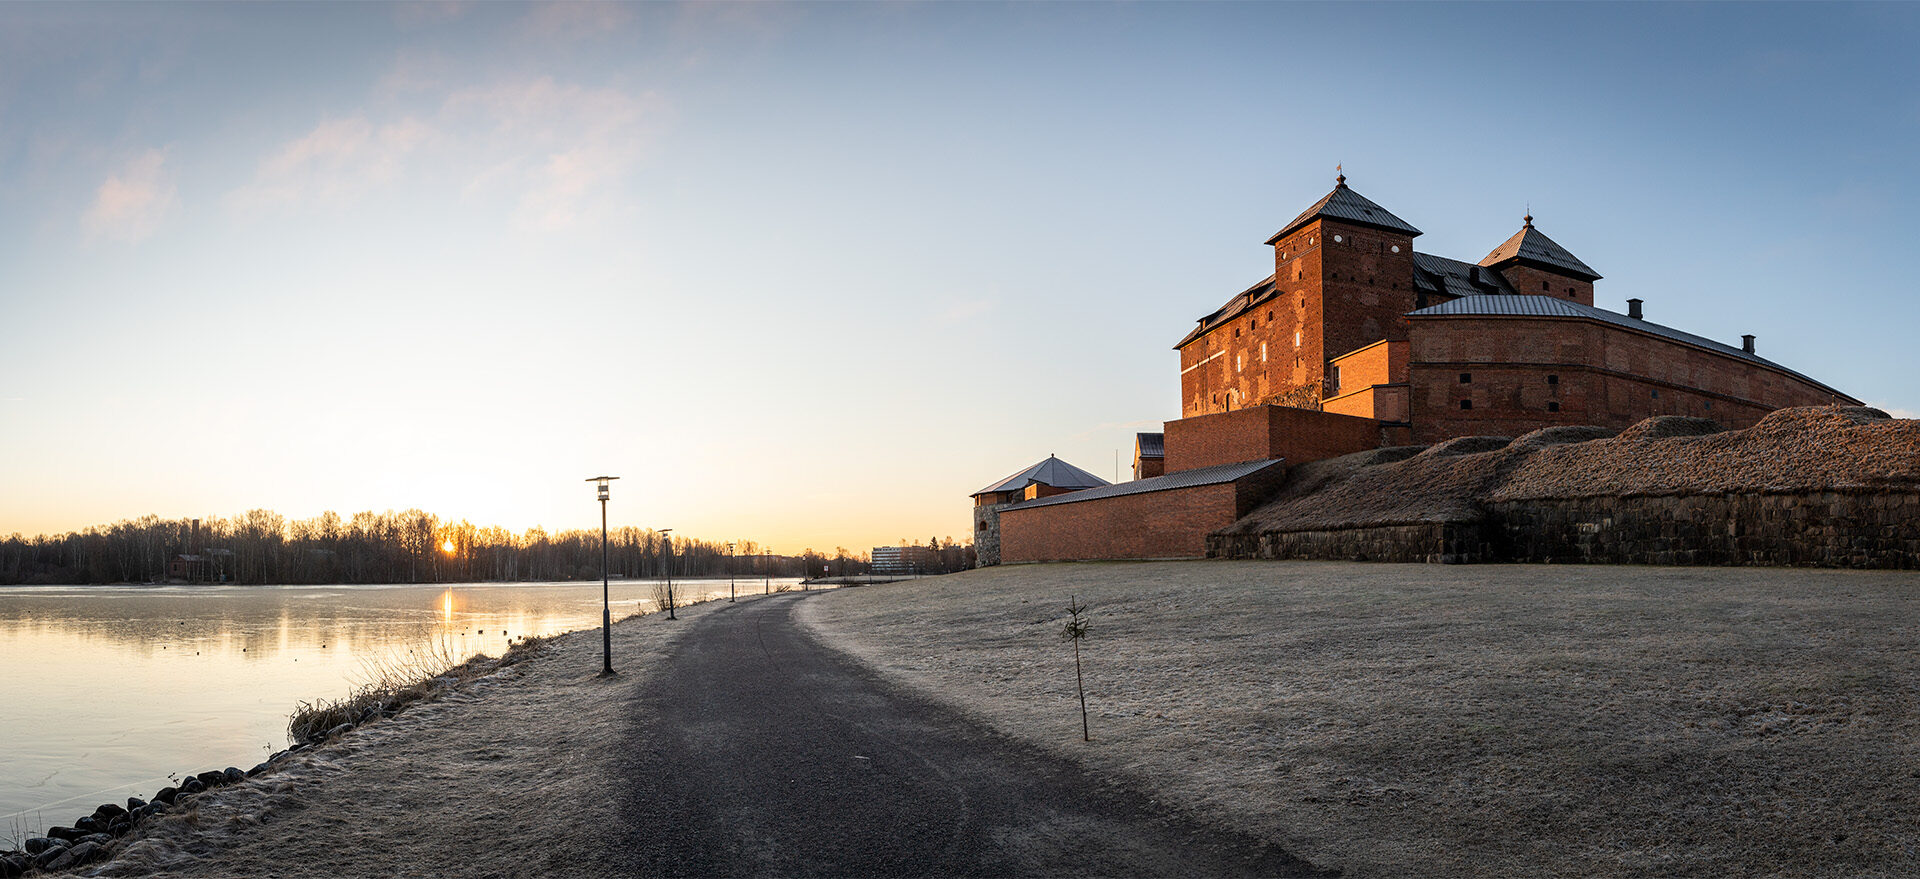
(1830, 486)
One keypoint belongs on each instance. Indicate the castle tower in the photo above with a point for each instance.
(1343, 279)
(1535, 264)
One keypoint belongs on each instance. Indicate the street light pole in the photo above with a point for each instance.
(606, 606)
(669, 560)
(729, 572)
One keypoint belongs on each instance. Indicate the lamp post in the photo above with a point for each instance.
(669, 563)
(729, 572)
(606, 606)
(766, 571)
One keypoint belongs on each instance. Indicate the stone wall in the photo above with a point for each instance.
(1841, 529)
(1436, 542)
(986, 534)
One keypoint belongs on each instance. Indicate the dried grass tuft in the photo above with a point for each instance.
(389, 684)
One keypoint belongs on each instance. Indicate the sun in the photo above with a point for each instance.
(447, 547)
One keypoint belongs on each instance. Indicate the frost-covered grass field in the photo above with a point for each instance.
(1421, 720)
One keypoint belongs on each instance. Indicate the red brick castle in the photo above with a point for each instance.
(1357, 341)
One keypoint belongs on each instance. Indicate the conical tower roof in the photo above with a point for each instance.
(1530, 245)
(1052, 471)
(1347, 206)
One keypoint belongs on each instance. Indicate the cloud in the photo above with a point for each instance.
(334, 163)
(1895, 411)
(419, 13)
(559, 149)
(564, 20)
(555, 152)
(130, 204)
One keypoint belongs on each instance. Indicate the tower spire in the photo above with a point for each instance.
(1340, 178)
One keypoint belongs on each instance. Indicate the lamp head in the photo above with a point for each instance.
(603, 480)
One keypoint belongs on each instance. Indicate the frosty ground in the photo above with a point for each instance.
(1398, 720)
(1385, 720)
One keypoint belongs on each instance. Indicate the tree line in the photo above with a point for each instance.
(413, 546)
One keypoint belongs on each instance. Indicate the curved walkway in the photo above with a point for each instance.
(760, 752)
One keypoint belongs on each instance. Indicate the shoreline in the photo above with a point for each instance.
(240, 816)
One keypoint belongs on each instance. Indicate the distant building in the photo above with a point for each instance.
(901, 559)
(1045, 479)
(1149, 455)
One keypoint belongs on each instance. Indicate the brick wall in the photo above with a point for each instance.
(1530, 280)
(1159, 524)
(1298, 435)
(1519, 371)
(1328, 297)
(1156, 524)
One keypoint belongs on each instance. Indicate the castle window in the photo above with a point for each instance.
(1656, 393)
(1466, 404)
(1263, 352)
(1553, 379)
(1545, 286)
(1236, 332)
(1466, 378)
(1569, 291)
(1553, 407)
(1396, 248)
(1709, 404)
(1239, 362)
(1256, 324)
(1337, 239)
(1296, 338)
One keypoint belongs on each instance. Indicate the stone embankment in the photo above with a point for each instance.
(92, 837)
(102, 834)
(1830, 486)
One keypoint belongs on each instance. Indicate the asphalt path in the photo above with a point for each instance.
(762, 752)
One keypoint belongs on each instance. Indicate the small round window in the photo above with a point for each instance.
(1337, 239)
(1396, 248)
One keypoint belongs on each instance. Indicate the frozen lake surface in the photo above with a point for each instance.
(111, 688)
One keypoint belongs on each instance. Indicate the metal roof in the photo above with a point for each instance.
(1532, 245)
(1241, 301)
(1214, 475)
(1150, 445)
(1547, 306)
(1052, 471)
(1349, 206)
(1438, 274)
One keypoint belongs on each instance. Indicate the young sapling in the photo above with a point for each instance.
(1074, 630)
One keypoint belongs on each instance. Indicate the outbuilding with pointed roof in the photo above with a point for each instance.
(1048, 478)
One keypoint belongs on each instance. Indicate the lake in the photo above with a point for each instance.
(108, 689)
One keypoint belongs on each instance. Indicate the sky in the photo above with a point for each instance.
(811, 274)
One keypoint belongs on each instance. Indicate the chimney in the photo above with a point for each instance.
(1746, 343)
(1633, 309)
